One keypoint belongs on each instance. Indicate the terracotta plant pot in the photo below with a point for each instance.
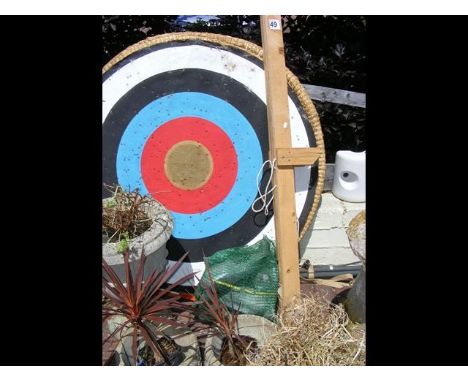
(153, 240)
(256, 327)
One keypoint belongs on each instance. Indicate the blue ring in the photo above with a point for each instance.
(234, 124)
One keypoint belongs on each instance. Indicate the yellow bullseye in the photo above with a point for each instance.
(188, 165)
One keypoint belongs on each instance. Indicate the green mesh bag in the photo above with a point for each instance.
(245, 278)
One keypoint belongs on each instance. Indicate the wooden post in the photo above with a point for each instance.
(279, 132)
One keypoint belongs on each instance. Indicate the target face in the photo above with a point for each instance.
(186, 122)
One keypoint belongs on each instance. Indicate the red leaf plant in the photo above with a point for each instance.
(221, 320)
(143, 304)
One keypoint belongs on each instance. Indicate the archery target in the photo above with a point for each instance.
(186, 122)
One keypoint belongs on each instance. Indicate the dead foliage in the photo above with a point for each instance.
(313, 333)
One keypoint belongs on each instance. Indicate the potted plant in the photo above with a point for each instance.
(143, 314)
(131, 221)
(231, 334)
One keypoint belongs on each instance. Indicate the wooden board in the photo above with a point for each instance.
(343, 97)
(280, 137)
(297, 156)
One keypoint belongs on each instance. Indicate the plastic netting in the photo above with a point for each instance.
(246, 278)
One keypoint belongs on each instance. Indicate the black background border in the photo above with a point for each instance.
(52, 164)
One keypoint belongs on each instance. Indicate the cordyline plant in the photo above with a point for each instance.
(143, 304)
(224, 322)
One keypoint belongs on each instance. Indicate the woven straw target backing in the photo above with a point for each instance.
(256, 51)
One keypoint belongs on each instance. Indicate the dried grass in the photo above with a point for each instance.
(313, 333)
(125, 215)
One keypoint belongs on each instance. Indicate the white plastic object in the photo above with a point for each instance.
(349, 181)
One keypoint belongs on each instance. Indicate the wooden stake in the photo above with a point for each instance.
(279, 132)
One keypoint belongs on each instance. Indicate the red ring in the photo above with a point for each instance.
(224, 164)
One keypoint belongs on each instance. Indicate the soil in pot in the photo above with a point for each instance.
(146, 356)
(229, 359)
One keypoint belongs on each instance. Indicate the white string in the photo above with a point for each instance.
(263, 196)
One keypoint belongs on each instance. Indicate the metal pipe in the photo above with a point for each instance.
(328, 271)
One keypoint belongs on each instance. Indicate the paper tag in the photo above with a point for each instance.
(274, 24)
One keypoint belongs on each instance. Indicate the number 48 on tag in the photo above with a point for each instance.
(274, 24)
